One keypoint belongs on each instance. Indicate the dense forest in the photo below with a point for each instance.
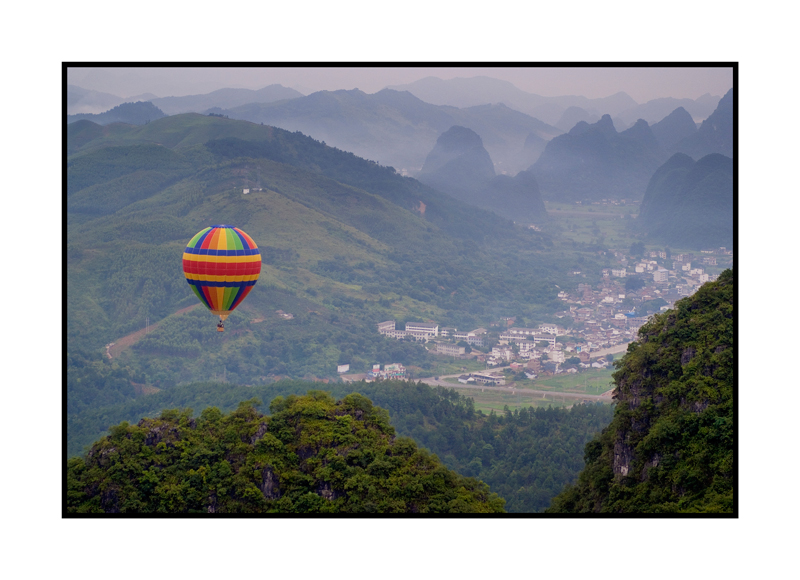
(526, 456)
(670, 446)
(311, 455)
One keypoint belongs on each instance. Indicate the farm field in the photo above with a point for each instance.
(594, 382)
(590, 382)
(608, 225)
(493, 400)
(448, 366)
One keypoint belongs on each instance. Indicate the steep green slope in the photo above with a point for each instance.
(670, 446)
(330, 225)
(109, 163)
(312, 455)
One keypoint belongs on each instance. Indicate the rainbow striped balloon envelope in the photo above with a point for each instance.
(221, 264)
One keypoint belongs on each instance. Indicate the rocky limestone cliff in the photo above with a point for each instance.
(670, 446)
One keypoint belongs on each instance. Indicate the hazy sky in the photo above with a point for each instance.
(641, 83)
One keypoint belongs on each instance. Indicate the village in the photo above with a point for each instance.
(597, 321)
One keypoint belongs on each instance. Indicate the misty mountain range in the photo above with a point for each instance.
(690, 202)
(582, 157)
(458, 92)
(467, 92)
(595, 161)
(400, 128)
(459, 165)
(137, 113)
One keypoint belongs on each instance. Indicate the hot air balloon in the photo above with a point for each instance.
(221, 264)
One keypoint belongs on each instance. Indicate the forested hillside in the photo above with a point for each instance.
(527, 456)
(311, 455)
(345, 244)
(670, 446)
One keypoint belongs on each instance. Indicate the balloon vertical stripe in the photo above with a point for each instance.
(243, 292)
(200, 296)
(251, 244)
(198, 237)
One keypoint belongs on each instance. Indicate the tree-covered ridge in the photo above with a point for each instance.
(312, 455)
(526, 456)
(669, 448)
(138, 113)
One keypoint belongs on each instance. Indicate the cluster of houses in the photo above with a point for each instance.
(596, 317)
(425, 331)
(536, 348)
(686, 273)
(391, 371)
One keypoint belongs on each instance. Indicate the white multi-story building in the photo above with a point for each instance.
(661, 275)
(429, 329)
(450, 349)
(419, 330)
(385, 326)
(519, 335)
(469, 337)
(549, 328)
(395, 333)
(503, 352)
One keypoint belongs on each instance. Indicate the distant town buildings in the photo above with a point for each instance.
(391, 371)
(418, 330)
(450, 349)
(594, 317)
